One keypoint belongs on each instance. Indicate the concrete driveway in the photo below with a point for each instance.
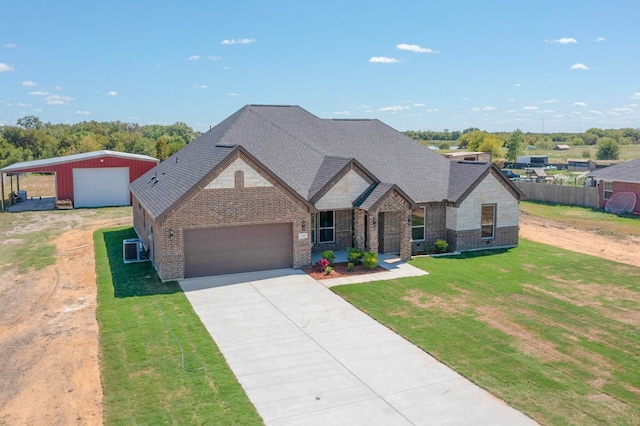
(304, 356)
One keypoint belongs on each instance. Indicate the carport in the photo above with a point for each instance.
(90, 179)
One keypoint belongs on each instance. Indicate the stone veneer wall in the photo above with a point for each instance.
(463, 222)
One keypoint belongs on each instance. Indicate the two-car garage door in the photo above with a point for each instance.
(234, 249)
(100, 187)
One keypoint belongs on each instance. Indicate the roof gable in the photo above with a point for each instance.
(628, 171)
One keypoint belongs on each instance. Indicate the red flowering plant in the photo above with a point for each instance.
(321, 265)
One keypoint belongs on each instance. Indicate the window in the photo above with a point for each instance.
(607, 190)
(326, 227)
(417, 225)
(488, 220)
(313, 228)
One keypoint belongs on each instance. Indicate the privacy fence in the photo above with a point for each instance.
(559, 194)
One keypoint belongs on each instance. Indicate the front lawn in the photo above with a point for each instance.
(159, 363)
(552, 332)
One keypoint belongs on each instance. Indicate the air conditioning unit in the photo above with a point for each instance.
(133, 251)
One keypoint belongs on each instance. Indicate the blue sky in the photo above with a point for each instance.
(415, 65)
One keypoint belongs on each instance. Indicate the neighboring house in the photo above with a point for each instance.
(269, 185)
(622, 177)
(580, 165)
(485, 157)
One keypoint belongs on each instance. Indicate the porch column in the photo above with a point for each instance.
(373, 231)
(358, 229)
(405, 236)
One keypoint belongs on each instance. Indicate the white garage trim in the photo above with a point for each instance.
(101, 187)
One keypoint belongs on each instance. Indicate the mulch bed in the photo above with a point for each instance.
(340, 270)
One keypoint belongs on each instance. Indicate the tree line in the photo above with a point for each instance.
(31, 139)
(510, 145)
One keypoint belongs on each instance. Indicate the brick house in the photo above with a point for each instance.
(622, 177)
(269, 185)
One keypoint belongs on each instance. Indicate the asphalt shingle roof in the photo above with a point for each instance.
(628, 171)
(306, 152)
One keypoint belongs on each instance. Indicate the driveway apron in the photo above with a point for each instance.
(304, 356)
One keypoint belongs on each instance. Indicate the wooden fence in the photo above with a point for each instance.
(559, 194)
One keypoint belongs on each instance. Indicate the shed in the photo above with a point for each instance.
(580, 165)
(90, 179)
(562, 147)
(533, 160)
(484, 157)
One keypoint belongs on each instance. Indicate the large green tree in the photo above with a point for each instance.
(607, 149)
(514, 145)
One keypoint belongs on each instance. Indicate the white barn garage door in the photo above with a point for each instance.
(108, 186)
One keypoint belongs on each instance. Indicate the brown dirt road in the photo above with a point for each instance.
(49, 347)
(49, 352)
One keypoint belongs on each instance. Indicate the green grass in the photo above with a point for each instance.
(585, 218)
(143, 324)
(552, 332)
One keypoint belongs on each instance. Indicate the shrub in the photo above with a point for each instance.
(329, 255)
(355, 254)
(327, 270)
(350, 266)
(370, 260)
(321, 264)
(441, 246)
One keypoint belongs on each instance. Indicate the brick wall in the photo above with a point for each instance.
(626, 187)
(343, 233)
(223, 206)
(435, 226)
(400, 208)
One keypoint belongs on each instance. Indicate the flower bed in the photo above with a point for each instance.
(340, 270)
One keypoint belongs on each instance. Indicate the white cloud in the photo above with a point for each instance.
(517, 85)
(530, 108)
(414, 48)
(466, 99)
(29, 83)
(215, 58)
(194, 58)
(635, 96)
(58, 100)
(548, 101)
(233, 94)
(341, 113)
(564, 40)
(510, 111)
(475, 109)
(418, 105)
(83, 112)
(488, 108)
(22, 105)
(579, 104)
(593, 111)
(37, 110)
(599, 40)
(622, 110)
(547, 111)
(39, 93)
(238, 41)
(58, 87)
(433, 110)
(112, 93)
(511, 100)
(395, 108)
(383, 60)
(10, 45)
(579, 66)
(196, 86)
(5, 67)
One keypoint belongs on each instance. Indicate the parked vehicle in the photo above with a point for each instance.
(510, 174)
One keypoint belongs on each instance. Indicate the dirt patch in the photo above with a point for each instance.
(50, 370)
(340, 270)
(585, 241)
(423, 300)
